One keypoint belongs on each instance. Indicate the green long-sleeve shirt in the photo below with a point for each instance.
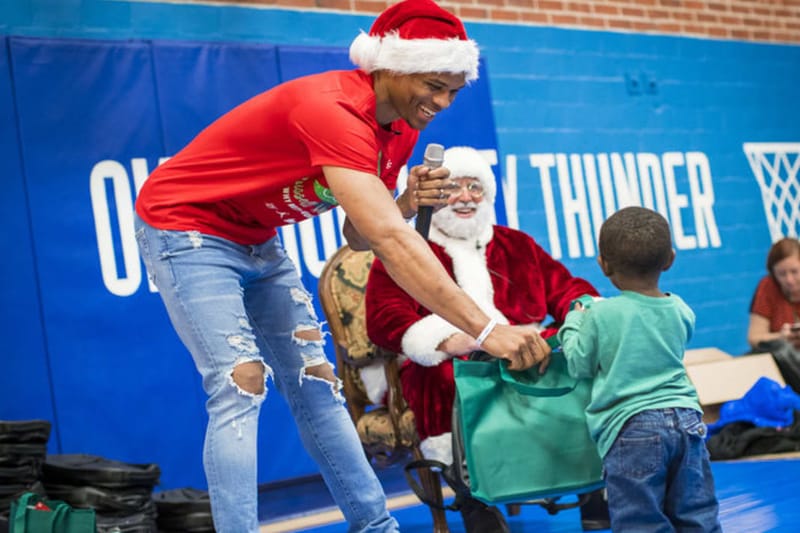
(632, 347)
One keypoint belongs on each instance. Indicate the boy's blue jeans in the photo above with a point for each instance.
(658, 474)
(232, 304)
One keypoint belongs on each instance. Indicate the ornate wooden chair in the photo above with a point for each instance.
(386, 430)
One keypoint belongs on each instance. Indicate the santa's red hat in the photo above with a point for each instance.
(416, 36)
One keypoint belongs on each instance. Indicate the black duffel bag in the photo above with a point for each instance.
(104, 500)
(787, 359)
(82, 469)
(22, 431)
(186, 510)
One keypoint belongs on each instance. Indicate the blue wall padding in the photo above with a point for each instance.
(576, 92)
(198, 82)
(95, 117)
(25, 379)
(544, 93)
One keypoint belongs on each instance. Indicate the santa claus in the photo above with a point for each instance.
(511, 278)
(505, 271)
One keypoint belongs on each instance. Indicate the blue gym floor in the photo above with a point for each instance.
(756, 496)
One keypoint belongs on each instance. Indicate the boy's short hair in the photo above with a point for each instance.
(636, 241)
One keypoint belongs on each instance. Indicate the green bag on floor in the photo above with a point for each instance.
(523, 435)
(33, 514)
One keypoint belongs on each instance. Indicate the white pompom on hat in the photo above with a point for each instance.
(415, 36)
(467, 162)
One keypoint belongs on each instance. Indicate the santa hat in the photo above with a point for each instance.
(416, 36)
(466, 162)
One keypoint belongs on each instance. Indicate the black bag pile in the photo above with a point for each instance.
(787, 359)
(184, 511)
(23, 448)
(120, 493)
(744, 439)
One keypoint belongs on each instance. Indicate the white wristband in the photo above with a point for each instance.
(486, 331)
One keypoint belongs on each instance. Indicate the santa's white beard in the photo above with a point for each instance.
(448, 222)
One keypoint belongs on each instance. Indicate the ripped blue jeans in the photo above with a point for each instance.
(658, 475)
(233, 304)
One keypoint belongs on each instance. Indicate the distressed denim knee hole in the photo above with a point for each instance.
(249, 377)
(323, 372)
(302, 297)
(305, 334)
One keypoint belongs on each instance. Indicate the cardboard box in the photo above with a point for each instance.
(704, 355)
(720, 377)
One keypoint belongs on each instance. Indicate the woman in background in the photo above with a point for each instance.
(775, 311)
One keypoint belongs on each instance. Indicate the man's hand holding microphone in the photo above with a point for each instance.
(427, 188)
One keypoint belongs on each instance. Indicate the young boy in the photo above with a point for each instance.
(644, 413)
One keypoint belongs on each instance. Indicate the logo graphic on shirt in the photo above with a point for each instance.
(304, 199)
(324, 194)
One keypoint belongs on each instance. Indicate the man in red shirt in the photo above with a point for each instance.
(206, 228)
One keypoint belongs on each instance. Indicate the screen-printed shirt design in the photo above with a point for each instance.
(304, 199)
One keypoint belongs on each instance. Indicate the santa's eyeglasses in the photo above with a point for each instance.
(474, 188)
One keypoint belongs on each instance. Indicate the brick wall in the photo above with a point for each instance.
(747, 20)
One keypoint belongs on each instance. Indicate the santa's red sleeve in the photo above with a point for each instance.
(395, 321)
(563, 287)
(529, 284)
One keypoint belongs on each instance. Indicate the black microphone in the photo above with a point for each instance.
(433, 158)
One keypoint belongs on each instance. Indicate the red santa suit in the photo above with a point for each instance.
(508, 275)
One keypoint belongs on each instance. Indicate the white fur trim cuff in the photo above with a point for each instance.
(438, 447)
(374, 379)
(421, 339)
(408, 56)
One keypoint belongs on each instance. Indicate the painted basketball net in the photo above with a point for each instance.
(775, 166)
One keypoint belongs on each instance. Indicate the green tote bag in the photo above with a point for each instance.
(60, 518)
(522, 435)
